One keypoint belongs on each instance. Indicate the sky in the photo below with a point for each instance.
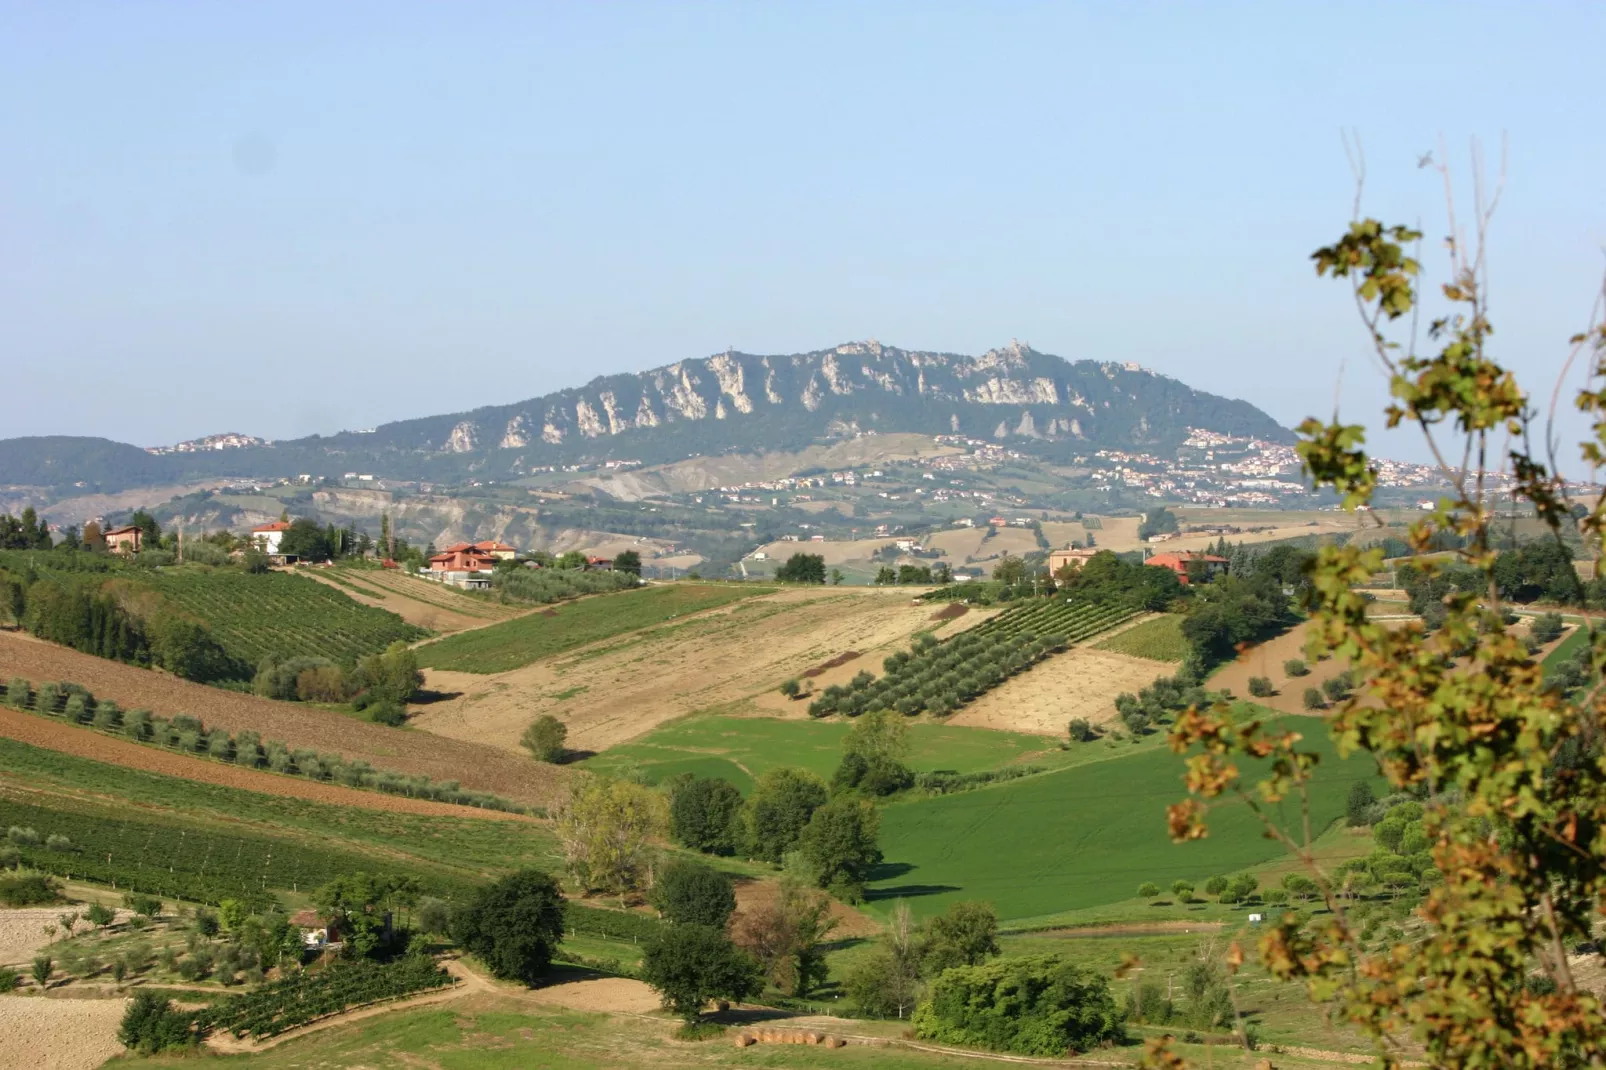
(281, 219)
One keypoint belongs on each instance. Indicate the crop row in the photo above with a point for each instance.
(189, 735)
(177, 861)
(254, 615)
(305, 997)
(942, 677)
(1074, 620)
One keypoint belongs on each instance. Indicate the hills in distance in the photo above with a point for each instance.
(731, 402)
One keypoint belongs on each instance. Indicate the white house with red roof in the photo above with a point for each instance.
(267, 536)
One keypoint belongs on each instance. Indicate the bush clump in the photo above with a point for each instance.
(1037, 1005)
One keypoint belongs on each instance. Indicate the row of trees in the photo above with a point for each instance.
(938, 677)
(110, 618)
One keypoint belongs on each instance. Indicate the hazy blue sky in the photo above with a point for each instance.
(285, 218)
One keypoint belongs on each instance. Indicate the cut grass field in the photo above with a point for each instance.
(1159, 639)
(1077, 838)
(740, 749)
(518, 642)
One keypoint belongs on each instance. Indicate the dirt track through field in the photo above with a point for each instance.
(86, 743)
(474, 766)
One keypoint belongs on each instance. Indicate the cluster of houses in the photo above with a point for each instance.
(1176, 562)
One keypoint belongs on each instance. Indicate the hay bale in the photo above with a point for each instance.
(813, 1038)
(835, 1042)
(744, 1040)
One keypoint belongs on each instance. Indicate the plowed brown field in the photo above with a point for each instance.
(473, 765)
(86, 743)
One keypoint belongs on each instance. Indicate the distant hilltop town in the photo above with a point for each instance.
(226, 441)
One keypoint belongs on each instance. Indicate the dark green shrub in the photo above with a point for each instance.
(1038, 1005)
(1295, 667)
(28, 890)
(1260, 687)
(151, 1024)
(1313, 699)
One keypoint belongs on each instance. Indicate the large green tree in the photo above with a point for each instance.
(690, 893)
(839, 846)
(692, 965)
(705, 814)
(779, 809)
(513, 925)
(802, 568)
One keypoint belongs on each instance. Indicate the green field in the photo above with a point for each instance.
(738, 749)
(1159, 639)
(1077, 838)
(213, 840)
(512, 1035)
(518, 642)
(280, 613)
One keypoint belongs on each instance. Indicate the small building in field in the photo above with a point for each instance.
(124, 540)
(1075, 558)
(999, 522)
(268, 536)
(599, 564)
(1180, 563)
(317, 933)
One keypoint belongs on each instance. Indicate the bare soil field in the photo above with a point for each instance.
(58, 1034)
(428, 605)
(604, 995)
(753, 894)
(87, 743)
(479, 767)
(1082, 682)
(732, 658)
(966, 545)
(22, 931)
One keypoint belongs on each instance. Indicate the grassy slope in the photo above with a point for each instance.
(1159, 639)
(446, 852)
(520, 641)
(741, 748)
(1077, 838)
(506, 1034)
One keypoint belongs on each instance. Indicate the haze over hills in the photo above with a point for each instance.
(730, 402)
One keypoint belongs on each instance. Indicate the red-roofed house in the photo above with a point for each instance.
(1179, 562)
(497, 549)
(463, 565)
(600, 564)
(123, 540)
(267, 536)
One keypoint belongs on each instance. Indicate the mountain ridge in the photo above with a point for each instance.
(727, 402)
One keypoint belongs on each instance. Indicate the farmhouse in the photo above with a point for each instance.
(463, 565)
(600, 564)
(1180, 563)
(317, 934)
(500, 550)
(1075, 559)
(268, 536)
(124, 540)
